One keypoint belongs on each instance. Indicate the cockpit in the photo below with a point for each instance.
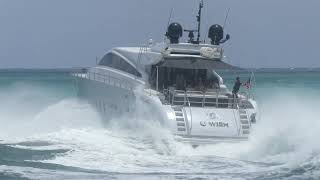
(184, 79)
(186, 74)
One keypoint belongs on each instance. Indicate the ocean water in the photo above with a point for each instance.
(46, 132)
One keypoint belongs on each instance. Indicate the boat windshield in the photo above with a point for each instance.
(184, 79)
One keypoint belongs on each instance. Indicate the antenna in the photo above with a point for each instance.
(169, 19)
(226, 18)
(199, 20)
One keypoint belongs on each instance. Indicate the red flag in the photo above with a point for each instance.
(248, 84)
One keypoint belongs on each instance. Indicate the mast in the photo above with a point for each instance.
(199, 20)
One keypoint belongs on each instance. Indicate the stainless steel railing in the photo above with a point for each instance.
(204, 99)
(105, 78)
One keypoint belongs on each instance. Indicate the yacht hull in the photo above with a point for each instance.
(110, 101)
(194, 125)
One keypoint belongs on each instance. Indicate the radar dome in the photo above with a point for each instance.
(215, 34)
(174, 32)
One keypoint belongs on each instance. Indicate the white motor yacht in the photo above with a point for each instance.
(177, 81)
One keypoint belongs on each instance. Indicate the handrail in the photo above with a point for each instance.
(105, 78)
(202, 99)
(190, 113)
(238, 110)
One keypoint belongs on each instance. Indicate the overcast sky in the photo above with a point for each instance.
(71, 33)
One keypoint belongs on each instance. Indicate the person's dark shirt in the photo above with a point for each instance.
(236, 86)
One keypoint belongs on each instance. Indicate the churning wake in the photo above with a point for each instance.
(45, 133)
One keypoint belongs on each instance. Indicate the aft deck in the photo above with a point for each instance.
(213, 98)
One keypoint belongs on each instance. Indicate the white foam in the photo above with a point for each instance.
(286, 135)
(28, 110)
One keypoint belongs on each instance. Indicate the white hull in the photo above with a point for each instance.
(111, 101)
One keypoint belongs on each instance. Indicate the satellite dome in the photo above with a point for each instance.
(174, 32)
(215, 34)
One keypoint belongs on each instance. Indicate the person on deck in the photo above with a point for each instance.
(200, 85)
(236, 87)
(180, 82)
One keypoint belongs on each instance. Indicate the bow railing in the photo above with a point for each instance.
(105, 78)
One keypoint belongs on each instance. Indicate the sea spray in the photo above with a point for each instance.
(286, 133)
(282, 145)
(27, 110)
(146, 122)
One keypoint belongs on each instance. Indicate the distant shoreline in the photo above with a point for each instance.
(283, 69)
(81, 69)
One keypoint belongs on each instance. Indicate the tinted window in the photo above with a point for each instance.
(116, 62)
